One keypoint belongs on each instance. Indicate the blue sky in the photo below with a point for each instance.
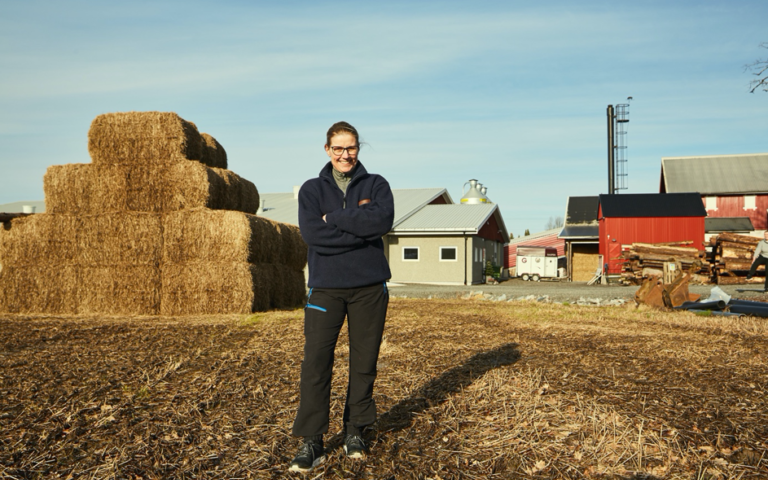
(511, 93)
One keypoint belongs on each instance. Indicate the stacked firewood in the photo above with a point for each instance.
(732, 257)
(645, 260)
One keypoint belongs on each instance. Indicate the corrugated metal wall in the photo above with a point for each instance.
(616, 232)
(543, 241)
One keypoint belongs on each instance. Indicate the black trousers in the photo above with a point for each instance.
(760, 260)
(365, 309)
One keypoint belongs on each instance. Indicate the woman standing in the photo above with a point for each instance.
(343, 215)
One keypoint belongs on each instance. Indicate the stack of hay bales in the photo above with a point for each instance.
(156, 224)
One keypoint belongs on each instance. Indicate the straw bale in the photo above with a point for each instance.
(91, 189)
(120, 289)
(217, 236)
(121, 238)
(292, 291)
(143, 138)
(293, 252)
(214, 154)
(214, 288)
(41, 239)
(39, 288)
(584, 265)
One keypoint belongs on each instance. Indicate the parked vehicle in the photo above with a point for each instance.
(535, 263)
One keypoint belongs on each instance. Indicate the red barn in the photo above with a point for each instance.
(733, 186)
(648, 218)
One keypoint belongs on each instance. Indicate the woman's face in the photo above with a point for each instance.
(343, 162)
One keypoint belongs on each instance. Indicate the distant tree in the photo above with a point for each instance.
(527, 232)
(759, 68)
(553, 222)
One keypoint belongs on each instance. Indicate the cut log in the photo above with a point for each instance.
(739, 280)
(737, 253)
(733, 237)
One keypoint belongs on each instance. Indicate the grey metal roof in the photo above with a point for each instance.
(283, 207)
(409, 200)
(728, 224)
(16, 207)
(715, 174)
(451, 219)
(573, 232)
(280, 207)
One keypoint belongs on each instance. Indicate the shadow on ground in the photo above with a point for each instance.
(437, 390)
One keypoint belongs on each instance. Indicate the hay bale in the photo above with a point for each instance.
(145, 138)
(213, 288)
(217, 236)
(120, 238)
(584, 263)
(293, 249)
(292, 289)
(86, 189)
(40, 288)
(214, 154)
(119, 289)
(42, 239)
(204, 288)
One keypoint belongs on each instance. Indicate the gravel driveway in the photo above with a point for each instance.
(558, 291)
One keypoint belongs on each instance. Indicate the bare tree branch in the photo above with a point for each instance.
(759, 68)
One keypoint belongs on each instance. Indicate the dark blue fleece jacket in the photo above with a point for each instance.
(346, 250)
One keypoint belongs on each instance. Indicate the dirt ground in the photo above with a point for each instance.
(466, 390)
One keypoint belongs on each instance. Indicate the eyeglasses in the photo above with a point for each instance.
(350, 150)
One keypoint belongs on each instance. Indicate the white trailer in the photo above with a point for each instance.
(535, 263)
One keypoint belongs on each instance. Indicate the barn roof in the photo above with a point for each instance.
(728, 224)
(715, 174)
(581, 210)
(454, 218)
(17, 207)
(581, 218)
(652, 205)
(284, 207)
(543, 238)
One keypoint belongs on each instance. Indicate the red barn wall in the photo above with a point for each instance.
(733, 206)
(618, 232)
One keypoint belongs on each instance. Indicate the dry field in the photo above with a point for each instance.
(471, 390)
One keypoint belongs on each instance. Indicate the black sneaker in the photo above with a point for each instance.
(310, 455)
(354, 446)
(749, 277)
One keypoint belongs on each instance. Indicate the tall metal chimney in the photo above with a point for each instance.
(611, 186)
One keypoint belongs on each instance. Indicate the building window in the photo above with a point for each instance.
(750, 202)
(410, 254)
(710, 203)
(448, 254)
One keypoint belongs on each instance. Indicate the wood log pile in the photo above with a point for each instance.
(732, 257)
(645, 260)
